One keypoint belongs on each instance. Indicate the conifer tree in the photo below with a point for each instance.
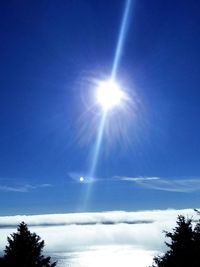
(24, 249)
(181, 251)
(1, 262)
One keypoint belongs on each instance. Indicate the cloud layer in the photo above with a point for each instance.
(171, 185)
(22, 188)
(78, 231)
(186, 185)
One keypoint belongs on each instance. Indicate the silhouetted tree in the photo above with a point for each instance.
(184, 248)
(196, 245)
(24, 249)
(1, 262)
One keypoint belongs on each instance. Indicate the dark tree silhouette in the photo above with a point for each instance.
(1, 262)
(184, 248)
(24, 249)
(196, 245)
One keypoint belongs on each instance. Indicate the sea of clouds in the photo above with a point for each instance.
(80, 231)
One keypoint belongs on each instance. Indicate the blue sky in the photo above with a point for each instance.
(51, 52)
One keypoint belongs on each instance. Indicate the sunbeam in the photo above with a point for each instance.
(96, 152)
(109, 95)
(98, 143)
(121, 38)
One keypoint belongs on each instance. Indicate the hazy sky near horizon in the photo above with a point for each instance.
(51, 55)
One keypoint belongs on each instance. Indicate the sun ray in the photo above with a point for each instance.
(96, 152)
(108, 102)
(121, 38)
(98, 143)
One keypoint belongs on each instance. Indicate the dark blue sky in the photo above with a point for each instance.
(50, 51)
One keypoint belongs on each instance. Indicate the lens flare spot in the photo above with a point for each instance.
(81, 179)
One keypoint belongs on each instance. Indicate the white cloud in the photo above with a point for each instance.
(21, 188)
(186, 185)
(137, 179)
(73, 232)
(171, 185)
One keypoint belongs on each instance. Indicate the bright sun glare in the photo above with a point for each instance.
(109, 94)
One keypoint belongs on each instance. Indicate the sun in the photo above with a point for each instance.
(109, 94)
